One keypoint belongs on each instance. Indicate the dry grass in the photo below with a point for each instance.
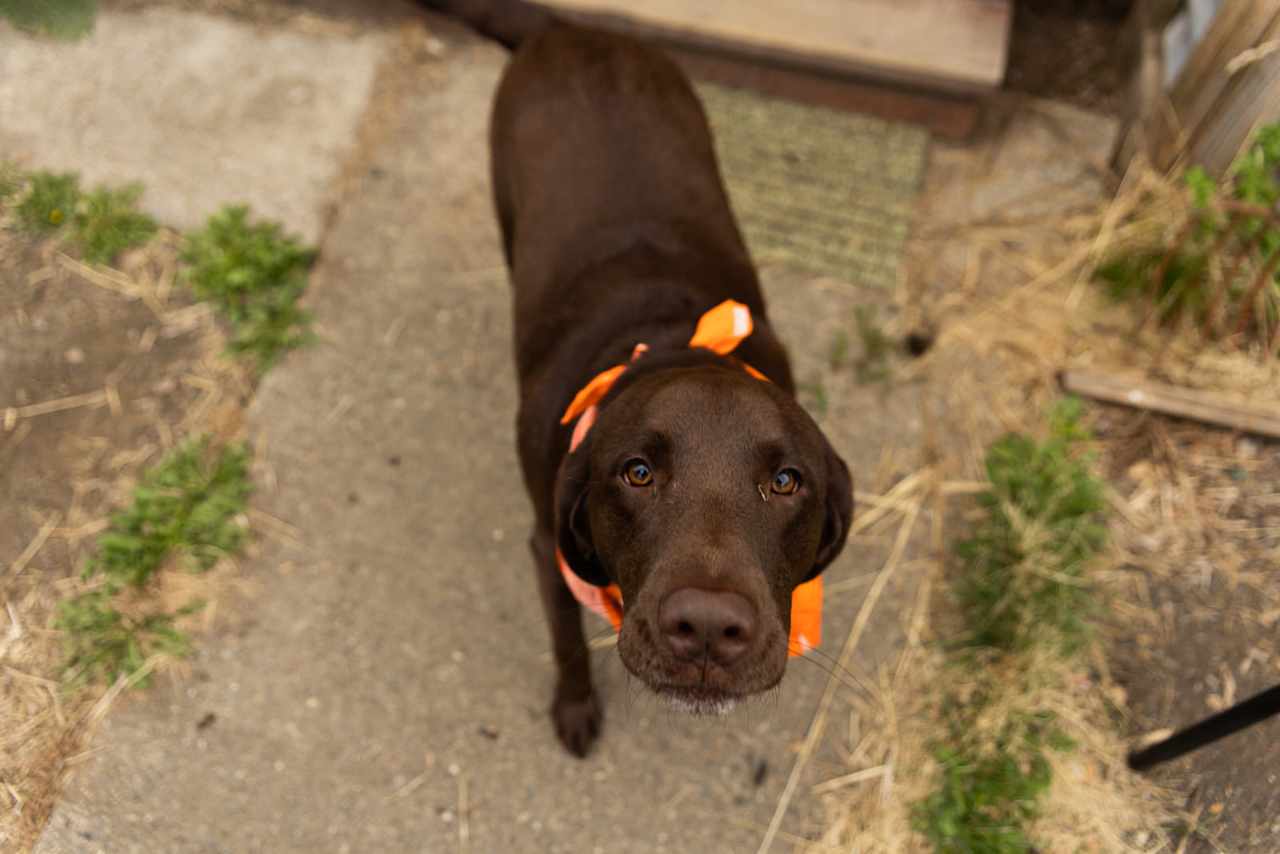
(893, 726)
(48, 727)
(1093, 804)
(841, 664)
(1019, 317)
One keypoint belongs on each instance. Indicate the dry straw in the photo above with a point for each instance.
(1019, 319)
(46, 730)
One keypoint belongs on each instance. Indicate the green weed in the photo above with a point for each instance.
(838, 354)
(63, 19)
(10, 180)
(103, 644)
(987, 799)
(107, 222)
(103, 222)
(1023, 579)
(1220, 271)
(1022, 588)
(872, 365)
(254, 274)
(50, 201)
(1177, 289)
(817, 401)
(185, 506)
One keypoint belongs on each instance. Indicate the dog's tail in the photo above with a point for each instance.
(508, 22)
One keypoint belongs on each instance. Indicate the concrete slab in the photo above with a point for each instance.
(389, 690)
(204, 111)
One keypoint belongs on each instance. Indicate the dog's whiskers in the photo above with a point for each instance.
(828, 664)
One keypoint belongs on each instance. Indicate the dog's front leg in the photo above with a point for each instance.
(575, 710)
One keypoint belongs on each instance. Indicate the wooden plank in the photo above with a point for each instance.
(952, 45)
(950, 116)
(1250, 99)
(1173, 400)
(1215, 49)
(1214, 108)
(1238, 26)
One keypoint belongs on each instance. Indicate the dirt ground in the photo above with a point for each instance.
(1193, 597)
(1197, 624)
(127, 373)
(1198, 629)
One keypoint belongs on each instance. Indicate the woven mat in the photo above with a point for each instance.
(824, 191)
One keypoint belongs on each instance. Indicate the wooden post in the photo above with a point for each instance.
(1142, 44)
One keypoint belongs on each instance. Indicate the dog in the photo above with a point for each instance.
(677, 486)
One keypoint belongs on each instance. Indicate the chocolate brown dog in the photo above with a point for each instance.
(703, 492)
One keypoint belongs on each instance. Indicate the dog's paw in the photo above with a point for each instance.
(577, 721)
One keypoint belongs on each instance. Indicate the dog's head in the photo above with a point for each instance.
(707, 496)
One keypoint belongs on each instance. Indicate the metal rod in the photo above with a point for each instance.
(1243, 714)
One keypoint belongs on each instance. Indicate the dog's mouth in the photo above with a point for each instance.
(698, 687)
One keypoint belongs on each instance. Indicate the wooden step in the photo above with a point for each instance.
(952, 46)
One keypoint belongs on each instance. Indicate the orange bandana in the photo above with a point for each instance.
(720, 330)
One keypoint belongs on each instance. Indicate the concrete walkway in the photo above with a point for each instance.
(204, 111)
(386, 689)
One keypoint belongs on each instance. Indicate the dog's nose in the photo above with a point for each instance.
(698, 623)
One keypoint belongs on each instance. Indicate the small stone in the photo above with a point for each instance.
(1149, 542)
(75, 356)
(313, 703)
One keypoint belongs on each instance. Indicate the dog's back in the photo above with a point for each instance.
(623, 143)
(625, 159)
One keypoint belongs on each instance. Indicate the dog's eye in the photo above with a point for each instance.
(637, 473)
(786, 482)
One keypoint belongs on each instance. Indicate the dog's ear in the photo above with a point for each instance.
(838, 511)
(573, 527)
